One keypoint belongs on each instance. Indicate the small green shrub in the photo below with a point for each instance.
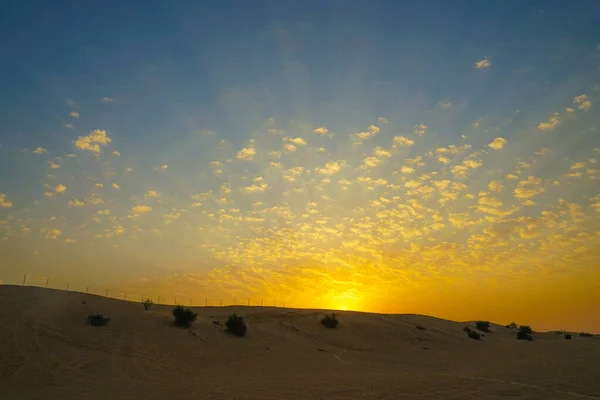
(483, 326)
(512, 325)
(568, 337)
(183, 316)
(524, 333)
(147, 304)
(330, 321)
(236, 325)
(97, 320)
(473, 334)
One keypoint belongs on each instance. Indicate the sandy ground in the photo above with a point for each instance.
(47, 351)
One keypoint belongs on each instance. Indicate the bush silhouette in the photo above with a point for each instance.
(183, 316)
(97, 320)
(568, 337)
(236, 325)
(473, 334)
(524, 333)
(330, 321)
(147, 304)
(585, 334)
(421, 328)
(483, 326)
(512, 325)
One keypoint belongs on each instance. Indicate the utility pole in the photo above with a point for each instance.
(87, 289)
(47, 279)
(24, 279)
(106, 293)
(67, 286)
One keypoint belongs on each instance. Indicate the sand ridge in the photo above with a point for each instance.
(49, 352)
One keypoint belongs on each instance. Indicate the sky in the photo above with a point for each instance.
(440, 158)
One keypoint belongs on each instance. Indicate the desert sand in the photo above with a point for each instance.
(48, 351)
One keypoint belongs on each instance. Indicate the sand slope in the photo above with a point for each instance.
(47, 351)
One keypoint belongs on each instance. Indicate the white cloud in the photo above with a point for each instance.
(381, 152)
(60, 188)
(3, 202)
(553, 122)
(53, 165)
(528, 188)
(403, 141)
(476, 124)
(584, 103)
(297, 141)
(76, 203)
(53, 234)
(139, 210)
(420, 129)
(116, 153)
(151, 193)
(321, 130)
(483, 63)
(290, 147)
(370, 132)
(163, 167)
(115, 186)
(206, 132)
(257, 188)
(382, 120)
(93, 141)
(446, 104)
(330, 168)
(74, 114)
(107, 99)
(370, 162)
(40, 150)
(247, 153)
(498, 143)
(495, 186)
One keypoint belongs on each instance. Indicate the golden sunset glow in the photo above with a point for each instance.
(388, 177)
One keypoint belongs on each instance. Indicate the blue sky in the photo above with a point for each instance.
(257, 147)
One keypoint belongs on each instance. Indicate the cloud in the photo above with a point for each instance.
(495, 186)
(107, 99)
(40, 150)
(476, 124)
(256, 188)
(60, 188)
(370, 162)
(483, 63)
(290, 147)
(53, 164)
(3, 202)
(446, 104)
(462, 170)
(330, 168)
(138, 210)
(553, 122)
(151, 193)
(407, 170)
(76, 203)
(163, 167)
(321, 130)
(247, 153)
(381, 152)
(93, 141)
(528, 188)
(116, 153)
(115, 186)
(420, 129)
(53, 234)
(402, 141)
(382, 120)
(584, 103)
(74, 114)
(297, 141)
(370, 132)
(206, 133)
(498, 143)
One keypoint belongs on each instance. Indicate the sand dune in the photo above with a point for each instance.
(47, 351)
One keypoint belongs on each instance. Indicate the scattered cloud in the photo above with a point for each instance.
(115, 186)
(297, 141)
(402, 141)
(331, 167)
(370, 132)
(93, 141)
(138, 210)
(498, 143)
(60, 188)
(107, 100)
(420, 129)
(76, 203)
(3, 202)
(39, 150)
(74, 114)
(483, 63)
(528, 188)
(247, 153)
(583, 101)
(553, 122)
(321, 130)
(446, 104)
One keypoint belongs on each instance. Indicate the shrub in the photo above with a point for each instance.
(483, 326)
(330, 321)
(512, 325)
(568, 337)
(183, 316)
(236, 325)
(473, 334)
(524, 333)
(585, 334)
(147, 304)
(525, 329)
(97, 320)
(421, 328)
